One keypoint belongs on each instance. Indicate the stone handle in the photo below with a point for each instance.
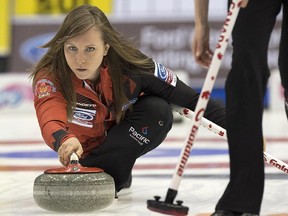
(74, 158)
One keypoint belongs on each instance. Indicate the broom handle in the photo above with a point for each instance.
(221, 132)
(204, 96)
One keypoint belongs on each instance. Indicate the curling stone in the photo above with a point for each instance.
(74, 188)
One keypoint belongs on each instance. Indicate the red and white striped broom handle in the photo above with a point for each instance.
(206, 90)
(279, 164)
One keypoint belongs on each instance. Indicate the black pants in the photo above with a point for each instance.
(141, 131)
(245, 90)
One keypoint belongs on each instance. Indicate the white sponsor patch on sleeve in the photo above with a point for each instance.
(165, 74)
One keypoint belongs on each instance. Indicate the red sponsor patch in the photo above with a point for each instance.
(44, 88)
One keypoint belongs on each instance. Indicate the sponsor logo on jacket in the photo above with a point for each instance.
(83, 117)
(165, 74)
(129, 103)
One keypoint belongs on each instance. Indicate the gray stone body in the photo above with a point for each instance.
(74, 192)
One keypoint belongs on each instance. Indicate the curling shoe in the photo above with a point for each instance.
(127, 184)
(229, 213)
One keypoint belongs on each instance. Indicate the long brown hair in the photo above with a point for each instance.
(122, 55)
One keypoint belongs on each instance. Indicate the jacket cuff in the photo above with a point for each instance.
(60, 136)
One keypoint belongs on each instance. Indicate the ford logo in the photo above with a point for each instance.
(82, 115)
(162, 72)
(30, 49)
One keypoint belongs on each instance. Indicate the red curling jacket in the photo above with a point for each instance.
(94, 115)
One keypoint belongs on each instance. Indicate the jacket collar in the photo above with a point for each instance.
(104, 86)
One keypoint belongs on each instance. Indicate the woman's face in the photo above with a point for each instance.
(84, 53)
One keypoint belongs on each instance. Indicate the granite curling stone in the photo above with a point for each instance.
(74, 188)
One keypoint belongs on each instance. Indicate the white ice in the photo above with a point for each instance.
(199, 189)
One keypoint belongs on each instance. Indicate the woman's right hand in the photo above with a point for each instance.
(67, 148)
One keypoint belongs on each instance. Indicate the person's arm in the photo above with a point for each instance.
(201, 12)
(51, 113)
(165, 84)
(200, 42)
